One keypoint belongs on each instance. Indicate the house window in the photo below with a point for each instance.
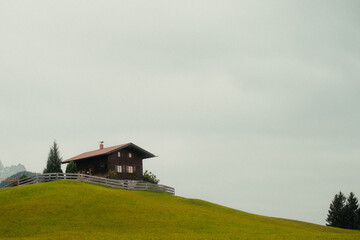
(102, 164)
(119, 154)
(130, 169)
(119, 169)
(130, 155)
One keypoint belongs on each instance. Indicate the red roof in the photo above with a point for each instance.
(108, 150)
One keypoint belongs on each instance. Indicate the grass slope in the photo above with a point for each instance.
(75, 210)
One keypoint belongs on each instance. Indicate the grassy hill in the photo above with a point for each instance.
(75, 210)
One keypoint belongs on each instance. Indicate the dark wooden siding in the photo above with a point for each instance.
(124, 160)
(97, 164)
(100, 165)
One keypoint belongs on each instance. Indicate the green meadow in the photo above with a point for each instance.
(75, 210)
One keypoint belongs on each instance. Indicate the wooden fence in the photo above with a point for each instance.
(125, 184)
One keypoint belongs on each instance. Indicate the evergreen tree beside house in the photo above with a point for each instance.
(53, 164)
(71, 167)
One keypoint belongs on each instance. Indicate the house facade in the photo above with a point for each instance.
(126, 160)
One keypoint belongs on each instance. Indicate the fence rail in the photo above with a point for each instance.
(125, 184)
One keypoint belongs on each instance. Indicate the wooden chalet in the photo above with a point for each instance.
(125, 159)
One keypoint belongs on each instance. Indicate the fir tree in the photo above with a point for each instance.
(350, 212)
(336, 213)
(71, 167)
(357, 219)
(54, 160)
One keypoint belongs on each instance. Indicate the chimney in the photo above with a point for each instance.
(101, 145)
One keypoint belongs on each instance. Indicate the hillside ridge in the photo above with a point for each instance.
(76, 210)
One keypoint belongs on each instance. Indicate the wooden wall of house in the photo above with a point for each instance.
(98, 165)
(124, 160)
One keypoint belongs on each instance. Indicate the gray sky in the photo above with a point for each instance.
(249, 104)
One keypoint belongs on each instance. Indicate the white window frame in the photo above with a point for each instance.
(130, 169)
(119, 168)
(119, 154)
(130, 155)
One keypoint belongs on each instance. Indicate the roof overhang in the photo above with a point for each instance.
(110, 150)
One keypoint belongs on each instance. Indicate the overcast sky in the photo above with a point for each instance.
(249, 104)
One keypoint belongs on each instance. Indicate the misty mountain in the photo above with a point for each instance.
(6, 172)
(16, 176)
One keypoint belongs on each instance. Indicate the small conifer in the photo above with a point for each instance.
(71, 167)
(336, 213)
(54, 160)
